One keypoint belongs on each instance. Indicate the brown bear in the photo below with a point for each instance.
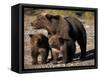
(39, 45)
(56, 44)
(69, 29)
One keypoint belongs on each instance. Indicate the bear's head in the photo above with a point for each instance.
(55, 41)
(38, 40)
(51, 23)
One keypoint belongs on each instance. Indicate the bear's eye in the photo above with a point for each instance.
(48, 16)
(39, 40)
(61, 40)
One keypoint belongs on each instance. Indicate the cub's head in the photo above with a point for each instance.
(55, 41)
(38, 40)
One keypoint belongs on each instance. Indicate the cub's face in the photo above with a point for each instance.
(54, 41)
(39, 40)
(34, 39)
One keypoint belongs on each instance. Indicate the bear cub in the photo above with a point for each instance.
(56, 44)
(39, 46)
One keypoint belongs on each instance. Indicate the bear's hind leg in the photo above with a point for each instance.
(82, 44)
(44, 55)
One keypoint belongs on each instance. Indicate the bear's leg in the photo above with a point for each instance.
(34, 60)
(82, 44)
(44, 55)
(73, 49)
(68, 51)
(34, 55)
(65, 53)
(55, 53)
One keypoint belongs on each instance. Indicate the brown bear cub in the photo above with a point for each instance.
(56, 44)
(39, 45)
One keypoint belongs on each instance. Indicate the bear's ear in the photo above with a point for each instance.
(30, 35)
(48, 16)
(31, 23)
(57, 16)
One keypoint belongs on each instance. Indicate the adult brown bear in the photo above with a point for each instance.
(39, 45)
(68, 28)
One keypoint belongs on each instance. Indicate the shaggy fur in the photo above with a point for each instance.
(39, 45)
(69, 30)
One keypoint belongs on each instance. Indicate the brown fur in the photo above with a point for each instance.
(56, 45)
(69, 30)
(39, 45)
(42, 23)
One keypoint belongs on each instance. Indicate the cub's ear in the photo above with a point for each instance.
(48, 16)
(30, 35)
(31, 23)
